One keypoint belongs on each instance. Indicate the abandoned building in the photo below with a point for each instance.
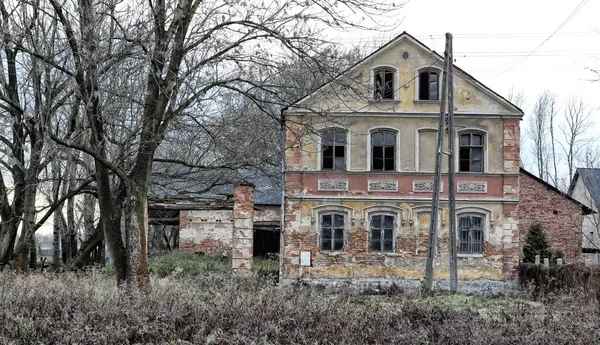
(360, 169)
(358, 180)
(585, 188)
(196, 215)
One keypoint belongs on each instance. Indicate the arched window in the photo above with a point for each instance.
(471, 152)
(429, 84)
(471, 233)
(383, 150)
(383, 83)
(332, 227)
(333, 149)
(382, 228)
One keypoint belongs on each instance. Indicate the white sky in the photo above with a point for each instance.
(492, 40)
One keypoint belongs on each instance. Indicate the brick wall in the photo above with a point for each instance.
(243, 224)
(559, 216)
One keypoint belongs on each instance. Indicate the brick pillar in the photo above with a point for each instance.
(243, 224)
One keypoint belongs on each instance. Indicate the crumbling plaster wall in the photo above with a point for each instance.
(206, 231)
(408, 258)
(210, 231)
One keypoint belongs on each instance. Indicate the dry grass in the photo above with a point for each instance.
(221, 309)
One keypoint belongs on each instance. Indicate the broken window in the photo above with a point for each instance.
(429, 85)
(334, 149)
(333, 226)
(383, 151)
(383, 83)
(470, 234)
(470, 156)
(382, 233)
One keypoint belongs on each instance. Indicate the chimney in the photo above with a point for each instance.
(243, 224)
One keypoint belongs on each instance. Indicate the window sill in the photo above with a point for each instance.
(332, 253)
(469, 255)
(385, 101)
(390, 254)
(425, 101)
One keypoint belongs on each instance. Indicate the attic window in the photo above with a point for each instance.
(383, 84)
(429, 84)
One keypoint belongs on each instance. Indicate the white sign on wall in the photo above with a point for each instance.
(304, 258)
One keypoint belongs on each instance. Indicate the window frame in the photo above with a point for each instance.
(320, 228)
(394, 231)
(483, 146)
(419, 72)
(483, 236)
(396, 146)
(394, 87)
(322, 145)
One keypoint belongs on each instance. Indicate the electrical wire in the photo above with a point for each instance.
(569, 17)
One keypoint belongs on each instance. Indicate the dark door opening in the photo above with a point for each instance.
(266, 242)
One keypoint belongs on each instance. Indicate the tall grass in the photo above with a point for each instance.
(223, 309)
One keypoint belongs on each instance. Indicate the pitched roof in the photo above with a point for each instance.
(406, 36)
(591, 180)
(215, 185)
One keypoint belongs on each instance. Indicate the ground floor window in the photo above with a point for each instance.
(382, 233)
(470, 234)
(333, 227)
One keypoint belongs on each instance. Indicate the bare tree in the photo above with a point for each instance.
(31, 93)
(577, 121)
(136, 71)
(539, 132)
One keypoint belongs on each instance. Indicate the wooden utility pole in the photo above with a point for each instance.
(435, 200)
(451, 169)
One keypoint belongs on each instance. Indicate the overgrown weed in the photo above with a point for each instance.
(224, 309)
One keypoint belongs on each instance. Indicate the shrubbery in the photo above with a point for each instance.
(222, 309)
(536, 243)
(188, 264)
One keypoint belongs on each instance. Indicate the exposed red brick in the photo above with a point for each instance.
(559, 216)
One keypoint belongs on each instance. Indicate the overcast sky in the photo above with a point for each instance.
(500, 42)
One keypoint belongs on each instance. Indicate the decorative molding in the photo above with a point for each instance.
(425, 186)
(333, 185)
(471, 187)
(382, 186)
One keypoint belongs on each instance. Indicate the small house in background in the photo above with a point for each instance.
(560, 215)
(585, 188)
(194, 212)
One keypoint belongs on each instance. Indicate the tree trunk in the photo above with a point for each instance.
(9, 237)
(21, 255)
(90, 245)
(135, 225)
(57, 239)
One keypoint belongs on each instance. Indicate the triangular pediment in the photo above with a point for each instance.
(354, 91)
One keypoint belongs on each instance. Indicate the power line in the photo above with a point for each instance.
(569, 17)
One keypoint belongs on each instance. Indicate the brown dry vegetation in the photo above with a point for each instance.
(220, 309)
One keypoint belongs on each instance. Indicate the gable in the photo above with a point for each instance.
(585, 186)
(353, 91)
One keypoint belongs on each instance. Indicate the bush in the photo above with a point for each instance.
(188, 264)
(535, 243)
(222, 309)
(566, 278)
